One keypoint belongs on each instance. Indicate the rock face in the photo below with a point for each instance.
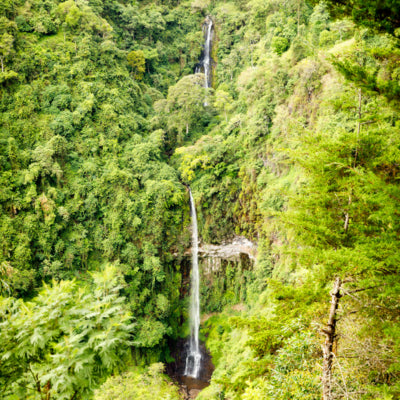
(224, 271)
(231, 250)
(240, 253)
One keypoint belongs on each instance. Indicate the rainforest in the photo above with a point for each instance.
(199, 199)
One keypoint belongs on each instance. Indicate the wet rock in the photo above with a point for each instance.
(227, 250)
(231, 250)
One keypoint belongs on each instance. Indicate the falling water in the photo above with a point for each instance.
(207, 54)
(205, 62)
(193, 358)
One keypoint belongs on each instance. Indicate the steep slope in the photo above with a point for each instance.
(308, 164)
(296, 148)
(85, 180)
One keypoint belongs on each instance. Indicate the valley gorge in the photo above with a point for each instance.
(199, 199)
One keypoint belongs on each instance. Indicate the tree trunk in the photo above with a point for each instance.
(347, 216)
(359, 111)
(330, 335)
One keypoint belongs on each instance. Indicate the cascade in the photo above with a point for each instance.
(193, 358)
(205, 62)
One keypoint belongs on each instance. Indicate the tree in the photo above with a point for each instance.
(330, 334)
(231, 63)
(137, 62)
(186, 102)
(5, 273)
(279, 45)
(372, 64)
(223, 102)
(64, 341)
(383, 15)
(6, 45)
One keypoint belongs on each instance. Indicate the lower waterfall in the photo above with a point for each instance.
(193, 359)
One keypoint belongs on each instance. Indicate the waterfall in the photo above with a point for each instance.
(205, 63)
(193, 358)
(207, 54)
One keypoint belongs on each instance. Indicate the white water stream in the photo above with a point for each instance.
(193, 359)
(207, 54)
(205, 62)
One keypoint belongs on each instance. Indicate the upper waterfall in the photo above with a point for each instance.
(205, 63)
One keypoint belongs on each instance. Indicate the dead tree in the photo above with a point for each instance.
(330, 335)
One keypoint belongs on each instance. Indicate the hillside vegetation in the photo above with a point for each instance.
(296, 147)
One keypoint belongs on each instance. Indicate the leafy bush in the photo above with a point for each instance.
(144, 385)
(279, 45)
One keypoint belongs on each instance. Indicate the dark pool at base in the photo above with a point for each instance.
(176, 369)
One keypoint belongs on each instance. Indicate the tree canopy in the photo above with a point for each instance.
(294, 148)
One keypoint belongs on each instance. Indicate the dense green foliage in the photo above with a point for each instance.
(145, 385)
(296, 147)
(62, 343)
(308, 162)
(382, 15)
(84, 170)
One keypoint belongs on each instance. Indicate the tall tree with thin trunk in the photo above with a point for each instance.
(330, 335)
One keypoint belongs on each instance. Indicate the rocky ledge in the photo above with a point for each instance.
(230, 250)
